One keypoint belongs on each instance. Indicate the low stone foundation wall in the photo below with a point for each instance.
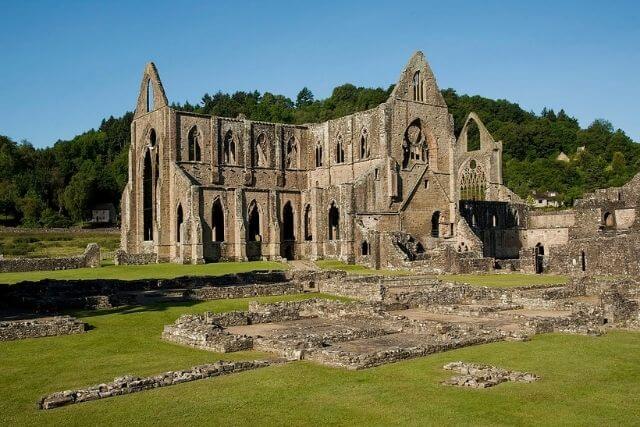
(357, 360)
(200, 331)
(364, 288)
(243, 291)
(121, 257)
(90, 258)
(129, 384)
(50, 296)
(41, 327)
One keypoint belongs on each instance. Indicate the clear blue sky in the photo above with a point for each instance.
(65, 65)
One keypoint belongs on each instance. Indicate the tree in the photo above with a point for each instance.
(304, 98)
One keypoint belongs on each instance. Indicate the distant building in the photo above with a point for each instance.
(581, 149)
(562, 157)
(104, 213)
(546, 199)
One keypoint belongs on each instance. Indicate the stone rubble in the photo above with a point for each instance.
(484, 376)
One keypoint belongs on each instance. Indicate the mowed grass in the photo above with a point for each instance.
(331, 264)
(507, 280)
(38, 244)
(150, 271)
(122, 341)
(499, 280)
(585, 381)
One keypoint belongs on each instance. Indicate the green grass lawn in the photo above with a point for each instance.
(38, 244)
(150, 271)
(585, 381)
(331, 264)
(507, 280)
(502, 280)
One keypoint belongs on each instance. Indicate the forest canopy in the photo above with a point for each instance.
(57, 186)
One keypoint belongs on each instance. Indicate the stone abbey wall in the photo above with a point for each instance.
(205, 188)
(390, 187)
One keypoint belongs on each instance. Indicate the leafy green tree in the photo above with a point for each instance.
(304, 98)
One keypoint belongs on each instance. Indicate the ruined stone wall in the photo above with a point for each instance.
(390, 168)
(40, 327)
(123, 258)
(55, 295)
(605, 255)
(130, 384)
(90, 258)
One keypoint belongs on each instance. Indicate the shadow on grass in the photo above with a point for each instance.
(133, 308)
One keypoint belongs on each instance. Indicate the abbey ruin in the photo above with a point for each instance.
(388, 187)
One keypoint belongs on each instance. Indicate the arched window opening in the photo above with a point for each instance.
(473, 182)
(339, 150)
(292, 153)
(217, 215)
(229, 148)
(473, 136)
(474, 221)
(194, 145)
(414, 145)
(583, 261)
(609, 220)
(334, 222)
(307, 223)
(260, 151)
(147, 198)
(364, 145)
(494, 221)
(418, 87)
(318, 155)
(150, 96)
(516, 219)
(365, 248)
(435, 224)
(288, 226)
(253, 231)
(179, 221)
(152, 137)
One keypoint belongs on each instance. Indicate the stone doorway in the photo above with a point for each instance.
(539, 258)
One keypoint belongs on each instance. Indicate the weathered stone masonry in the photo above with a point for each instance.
(90, 258)
(357, 188)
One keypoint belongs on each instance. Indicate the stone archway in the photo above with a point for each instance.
(288, 232)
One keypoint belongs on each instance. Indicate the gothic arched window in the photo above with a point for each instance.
(229, 149)
(417, 87)
(414, 145)
(260, 151)
(473, 184)
(292, 153)
(194, 145)
(364, 144)
(339, 149)
(319, 159)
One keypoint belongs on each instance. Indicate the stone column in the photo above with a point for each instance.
(347, 237)
(273, 221)
(318, 209)
(278, 161)
(195, 227)
(239, 231)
